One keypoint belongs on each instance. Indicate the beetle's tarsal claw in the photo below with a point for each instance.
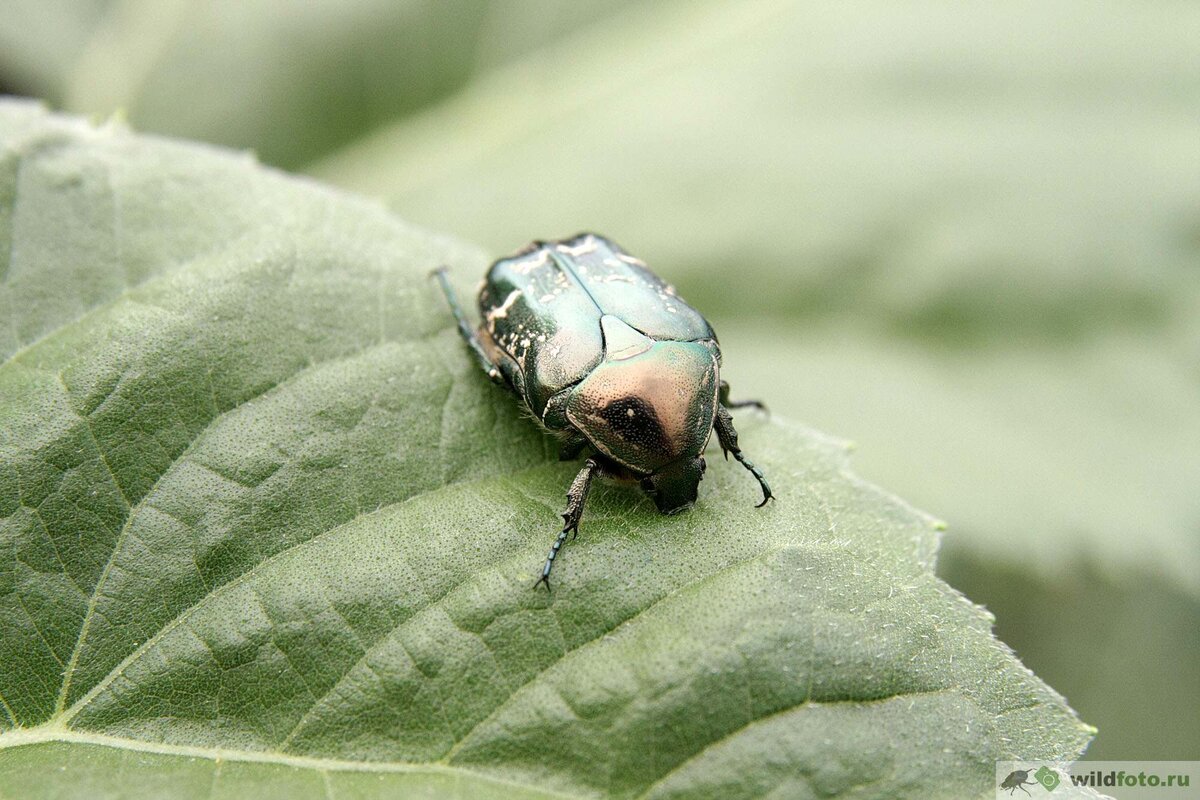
(758, 475)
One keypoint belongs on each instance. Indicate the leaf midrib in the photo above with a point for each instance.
(55, 734)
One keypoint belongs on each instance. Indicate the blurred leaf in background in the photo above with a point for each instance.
(40, 42)
(287, 79)
(967, 238)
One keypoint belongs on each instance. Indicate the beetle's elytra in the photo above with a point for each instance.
(612, 361)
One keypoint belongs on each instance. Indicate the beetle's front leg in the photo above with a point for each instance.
(727, 436)
(725, 401)
(576, 496)
(464, 328)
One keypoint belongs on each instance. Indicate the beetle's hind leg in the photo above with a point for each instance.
(576, 496)
(464, 328)
(727, 436)
(725, 401)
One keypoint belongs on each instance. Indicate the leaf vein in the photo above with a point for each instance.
(68, 714)
(363, 659)
(132, 514)
(8, 712)
(805, 703)
(687, 587)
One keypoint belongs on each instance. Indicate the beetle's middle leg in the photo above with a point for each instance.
(576, 496)
(725, 401)
(727, 436)
(464, 328)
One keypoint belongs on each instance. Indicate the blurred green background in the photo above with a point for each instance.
(965, 236)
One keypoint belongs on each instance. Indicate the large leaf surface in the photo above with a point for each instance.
(263, 521)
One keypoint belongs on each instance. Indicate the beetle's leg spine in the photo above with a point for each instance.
(576, 496)
(727, 436)
(464, 327)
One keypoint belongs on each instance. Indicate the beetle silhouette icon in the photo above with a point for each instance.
(1017, 779)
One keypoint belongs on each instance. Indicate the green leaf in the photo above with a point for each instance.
(266, 525)
(967, 240)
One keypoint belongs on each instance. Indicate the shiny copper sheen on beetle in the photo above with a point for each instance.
(607, 357)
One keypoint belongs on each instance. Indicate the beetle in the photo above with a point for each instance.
(605, 355)
(1016, 780)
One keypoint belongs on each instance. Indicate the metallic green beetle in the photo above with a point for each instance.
(607, 357)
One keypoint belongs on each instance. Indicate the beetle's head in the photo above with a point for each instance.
(673, 487)
(652, 413)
